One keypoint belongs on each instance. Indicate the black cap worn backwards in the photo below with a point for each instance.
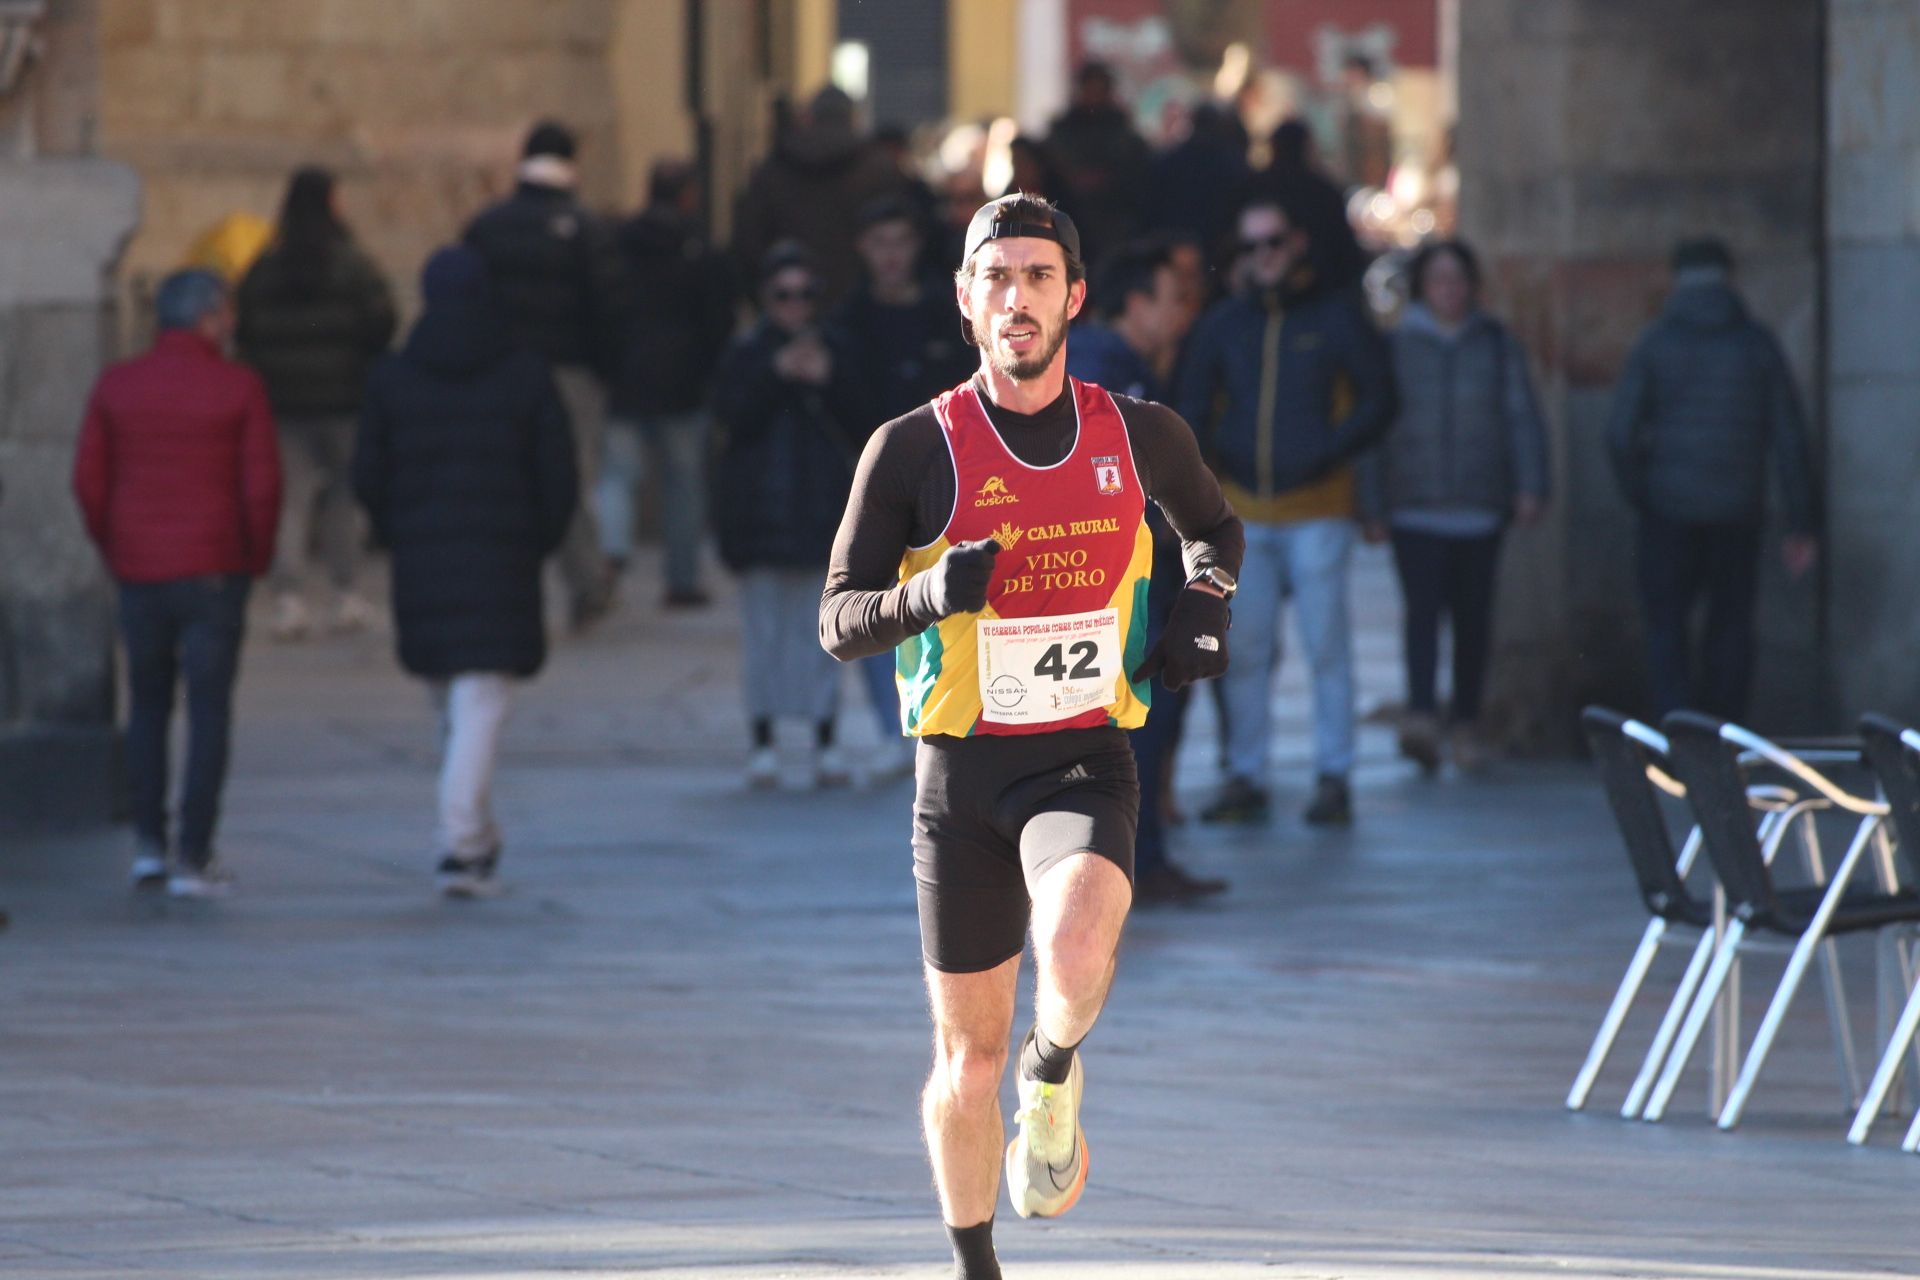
(1001, 220)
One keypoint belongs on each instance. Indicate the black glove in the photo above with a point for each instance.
(1193, 645)
(957, 583)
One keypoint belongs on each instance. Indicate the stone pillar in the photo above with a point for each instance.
(1873, 210)
(1593, 134)
(67, 220)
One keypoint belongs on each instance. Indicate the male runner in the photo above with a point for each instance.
(996, 538)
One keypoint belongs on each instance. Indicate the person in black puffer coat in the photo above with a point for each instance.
(792, 414)
(1705, 403)
(314, 314)
(563, 285)
(465, 466)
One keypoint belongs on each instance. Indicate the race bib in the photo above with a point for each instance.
(1039, 670)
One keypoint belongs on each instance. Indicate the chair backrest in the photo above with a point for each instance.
(1710, 769)
(1624, 750)
(1893, 753)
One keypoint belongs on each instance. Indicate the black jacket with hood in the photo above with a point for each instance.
(465, 466)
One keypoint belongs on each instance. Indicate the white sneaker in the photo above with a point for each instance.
(352, 612)
(148, 873)
(1047, 1159)
(763, 769)
(830, 768)
(210, 881)
(291, 620)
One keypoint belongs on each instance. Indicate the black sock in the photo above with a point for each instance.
(823, 734)
(973, 1252)
(763, 732)
(1041, 1059)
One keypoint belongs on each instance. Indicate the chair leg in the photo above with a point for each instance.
(1617, 1013)
(1803, 953)
(1696, 1022)
(1890, 1064)
(1911, 1143)
(1840, 1020)
(1669, 1027)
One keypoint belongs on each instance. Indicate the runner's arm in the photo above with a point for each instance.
(865, 609)
(1168, 459)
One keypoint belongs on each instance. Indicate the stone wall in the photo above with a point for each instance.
(420, 106)
(1874, 394)
(1592, 135)
(66, 220)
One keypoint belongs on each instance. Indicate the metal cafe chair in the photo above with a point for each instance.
(1713, 760)
(1634, 770)
(1892, 751)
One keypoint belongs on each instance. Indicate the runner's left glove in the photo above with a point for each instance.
(1193, 646)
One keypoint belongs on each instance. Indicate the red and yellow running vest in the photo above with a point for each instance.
(1066, 613)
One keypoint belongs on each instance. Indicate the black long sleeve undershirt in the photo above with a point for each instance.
(903, 495)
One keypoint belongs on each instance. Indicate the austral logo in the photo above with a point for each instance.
(994, 493)
(1007, 535)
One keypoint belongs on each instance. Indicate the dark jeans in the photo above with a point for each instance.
(190, 627)
(1153, 747)
(1451, 576)
(1679, 565)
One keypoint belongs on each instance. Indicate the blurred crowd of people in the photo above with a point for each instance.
(566, 364)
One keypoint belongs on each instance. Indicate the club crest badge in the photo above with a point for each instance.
(1106, 475)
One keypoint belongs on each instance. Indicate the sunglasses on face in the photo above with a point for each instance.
(792, 295)
(1270, 243)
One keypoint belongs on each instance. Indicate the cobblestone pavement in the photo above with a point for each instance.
(689, 1041)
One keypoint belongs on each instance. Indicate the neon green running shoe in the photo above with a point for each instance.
(1047, 1159)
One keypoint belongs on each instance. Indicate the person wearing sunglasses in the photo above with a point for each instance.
(1287, 383)
(791, 412)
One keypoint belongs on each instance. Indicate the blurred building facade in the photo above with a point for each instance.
(1594, 134)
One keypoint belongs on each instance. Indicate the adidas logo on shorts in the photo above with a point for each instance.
(1077, 774)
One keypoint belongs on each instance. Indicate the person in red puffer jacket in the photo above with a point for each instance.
(178, 476)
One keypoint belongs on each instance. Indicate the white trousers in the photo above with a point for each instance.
(473, 711)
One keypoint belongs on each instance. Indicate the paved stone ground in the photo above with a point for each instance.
(689, 1043)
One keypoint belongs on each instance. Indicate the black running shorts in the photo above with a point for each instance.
(993, 814)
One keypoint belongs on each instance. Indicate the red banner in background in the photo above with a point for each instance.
(1295, 29)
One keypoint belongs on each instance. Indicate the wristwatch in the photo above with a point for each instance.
(1217, 578)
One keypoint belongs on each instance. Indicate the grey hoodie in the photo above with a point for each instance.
(1469, 435)
(1704, 397)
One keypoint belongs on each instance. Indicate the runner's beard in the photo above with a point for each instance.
(1026, 368)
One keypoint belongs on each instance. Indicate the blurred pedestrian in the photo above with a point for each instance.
(466, 467)
(558, 273)
(178, 477)
(1143, 319)
(822, 169)
(1705, 402)
(314, 313)
(1295, 174)
(1366, 129)
(790, 405)
(1103, 160)
(1467, 457)
(1287, 384)
(1193, 187)
(681, 319)
(903, 338)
